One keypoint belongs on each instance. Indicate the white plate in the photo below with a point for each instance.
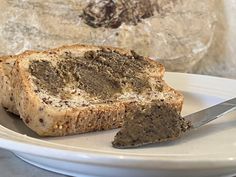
(207, 151)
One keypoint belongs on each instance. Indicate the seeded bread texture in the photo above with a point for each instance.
(6, 93)
(1, 78)
(67, 104)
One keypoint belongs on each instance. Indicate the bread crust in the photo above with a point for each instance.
(2, 59)
(6, 93)
(48, 120)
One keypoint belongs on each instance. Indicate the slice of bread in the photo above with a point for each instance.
(79, 88)
(6, 92)
(7, 98)
(2, 59)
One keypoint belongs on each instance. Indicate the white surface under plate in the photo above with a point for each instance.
(207, 151)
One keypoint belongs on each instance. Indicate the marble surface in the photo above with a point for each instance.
(12, 166)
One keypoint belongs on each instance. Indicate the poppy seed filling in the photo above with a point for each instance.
(157, 123)
(102, 73)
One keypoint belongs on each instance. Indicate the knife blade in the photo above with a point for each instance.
(206, 115)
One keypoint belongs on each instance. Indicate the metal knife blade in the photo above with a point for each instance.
(206, 115)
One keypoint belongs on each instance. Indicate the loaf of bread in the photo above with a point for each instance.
(79, 88)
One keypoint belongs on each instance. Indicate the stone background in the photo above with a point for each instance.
(220, 59)
(196, 36)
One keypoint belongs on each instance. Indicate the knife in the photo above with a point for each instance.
(206, 115)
